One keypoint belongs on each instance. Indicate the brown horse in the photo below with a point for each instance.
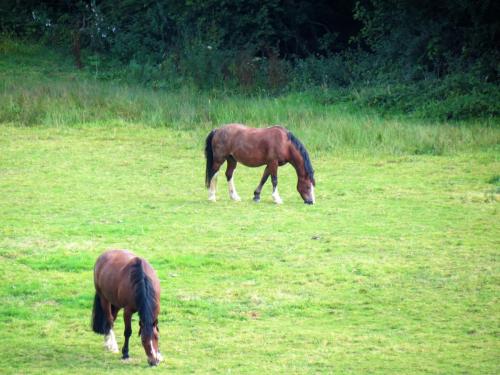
(123, 280)
(273, 147)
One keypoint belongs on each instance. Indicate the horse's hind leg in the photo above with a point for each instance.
(127, 317)
(256, 193)
(111, 312)
(231, 166)
(212, 188)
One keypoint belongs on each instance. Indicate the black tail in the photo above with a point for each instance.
(145, 297)
(210, 158)
(99, 322)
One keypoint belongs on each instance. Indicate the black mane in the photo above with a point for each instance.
(145, 297)
(307, 162)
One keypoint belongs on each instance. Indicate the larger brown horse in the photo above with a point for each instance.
(123, 280)
(272, 147)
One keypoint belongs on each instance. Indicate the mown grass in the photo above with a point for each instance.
(395, 270)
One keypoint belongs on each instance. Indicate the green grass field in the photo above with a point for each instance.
(394, 270)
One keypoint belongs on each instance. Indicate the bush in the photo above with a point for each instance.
(455, 97)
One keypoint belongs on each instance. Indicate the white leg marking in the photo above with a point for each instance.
(232, 190)
(110, 342)
(276, 197)
(153, 352)
(212, 188)
(312, 194)
(156, 354)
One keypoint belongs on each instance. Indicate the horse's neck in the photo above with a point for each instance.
(297, 162)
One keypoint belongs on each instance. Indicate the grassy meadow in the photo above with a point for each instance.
(394, 270)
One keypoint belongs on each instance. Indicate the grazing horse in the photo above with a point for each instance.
(123, 280)
(273, 147)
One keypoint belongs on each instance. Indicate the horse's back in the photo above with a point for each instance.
(236, 129)
(112, 276)
(251, 146)
(112, 260)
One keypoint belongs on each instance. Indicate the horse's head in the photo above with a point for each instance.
(150, 338)
(305, 186)
(299, 158)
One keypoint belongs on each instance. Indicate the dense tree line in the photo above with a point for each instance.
(152, 27)
(337, 42)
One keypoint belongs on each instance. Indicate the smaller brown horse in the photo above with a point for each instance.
(273, 147)
(123, 280)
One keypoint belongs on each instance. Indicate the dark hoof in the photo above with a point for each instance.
(308, 202)
(256, 199)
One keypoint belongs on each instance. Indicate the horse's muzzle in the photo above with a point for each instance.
(154, 362)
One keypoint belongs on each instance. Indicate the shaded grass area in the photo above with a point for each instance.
(395, 270)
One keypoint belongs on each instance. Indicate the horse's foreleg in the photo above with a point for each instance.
(231, 166)
(256, 193)
(114, 312)
(110, 312)
(127, 317)
(274, 178)
(213, 182)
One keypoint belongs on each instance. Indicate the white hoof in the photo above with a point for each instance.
(277, 199)
(212, 198)
(276, 196)
(113, 348)
(235, 197)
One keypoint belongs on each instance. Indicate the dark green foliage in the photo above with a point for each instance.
(431, 37)
(149, 30)
(456, 97)
(436, 59)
